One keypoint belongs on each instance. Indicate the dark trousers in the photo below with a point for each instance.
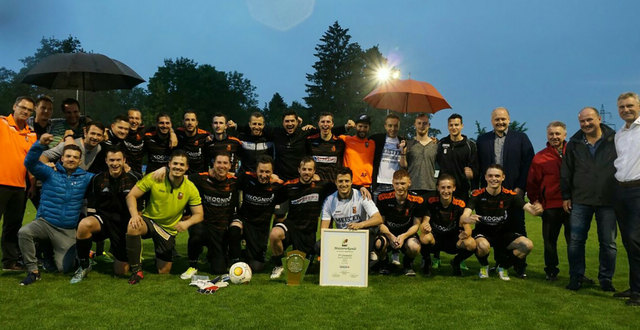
(12, 212)
(628, 209)
(552, 222)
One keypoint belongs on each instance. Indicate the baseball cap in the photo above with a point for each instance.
(363, 118)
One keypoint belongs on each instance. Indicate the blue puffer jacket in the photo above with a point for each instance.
(62, 193)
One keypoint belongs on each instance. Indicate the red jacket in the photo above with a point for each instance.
(543, 181)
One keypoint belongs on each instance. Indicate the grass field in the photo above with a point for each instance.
(394, 302)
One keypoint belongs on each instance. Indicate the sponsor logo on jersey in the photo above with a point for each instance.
(326, 159)
(306, 199)
(258, 200)
(217, 201)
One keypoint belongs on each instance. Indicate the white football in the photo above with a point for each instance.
(240, 273)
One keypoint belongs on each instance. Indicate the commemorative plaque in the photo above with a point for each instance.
(345, 258)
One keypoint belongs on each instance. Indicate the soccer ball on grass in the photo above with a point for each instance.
(240, 273)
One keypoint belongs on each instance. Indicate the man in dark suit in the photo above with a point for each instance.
(514, 152)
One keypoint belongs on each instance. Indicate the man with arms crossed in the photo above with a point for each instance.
(160, 219)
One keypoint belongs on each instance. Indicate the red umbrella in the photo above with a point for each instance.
(407, 96)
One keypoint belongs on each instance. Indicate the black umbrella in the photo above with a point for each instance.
(82, 71)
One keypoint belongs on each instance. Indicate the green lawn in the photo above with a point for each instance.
(442, 301)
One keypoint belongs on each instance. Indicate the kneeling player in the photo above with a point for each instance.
(301, 224)
(219, 198)
(402, 212)
(494, 227)
(348, 208)
(108, 215)
(160, 219)
(442, 230)
(258, 201)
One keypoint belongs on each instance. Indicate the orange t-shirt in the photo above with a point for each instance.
(14, 145)
(358, 156)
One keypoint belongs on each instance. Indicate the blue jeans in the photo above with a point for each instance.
(580, 222)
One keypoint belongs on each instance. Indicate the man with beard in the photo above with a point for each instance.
(359, 151)
(254, 143)
(162, 215)
(388, 154)
(326, 149)
(192, 140)
(259, 191)
(63, 190)
(90, 146)
(290, 146)
(159, 142)
(108, 215)
(134, 142)
(305, 198)
(72, 121)
(116, 136)
(220, 142)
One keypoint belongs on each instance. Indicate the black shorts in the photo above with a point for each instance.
(215, 240)
(302, 241)
(498, 239)
(446, 241)
(403, 248)
(257, 238)
(115, 229)
(163, 242)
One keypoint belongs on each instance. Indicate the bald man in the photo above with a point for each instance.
(514, 152)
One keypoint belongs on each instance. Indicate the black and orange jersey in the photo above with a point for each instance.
(445, 219)
(326, 154)
(229, 144)
(358, 156)
(494, 210)
(399, 217)
(158, 149)
(134, 145)
(305, 203)
(107, 195)
(219, 198)
(258, 200)
(194, 146)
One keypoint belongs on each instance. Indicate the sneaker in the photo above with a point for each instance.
(395, 259)
(607, 286)
(435, 263)
(31, 278)
(575, 283)
(409, 272)
(463, 266)
(276, 272)
(503, 274)
(189, 273)
(136, 277)
(484, 272)
(373, 256)
(384, 271)
(586, 280)
(80, 274)
(624, 294)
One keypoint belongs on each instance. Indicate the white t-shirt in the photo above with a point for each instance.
(390, 160)
(346, 211)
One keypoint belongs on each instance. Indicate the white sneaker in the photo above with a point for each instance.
(276, 272)
(373, 256)
(190, 272)
(503, 274)
(484, 272)
(395, 258)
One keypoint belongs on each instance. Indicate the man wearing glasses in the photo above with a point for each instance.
(16, 138)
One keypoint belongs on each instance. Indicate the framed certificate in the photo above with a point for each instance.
(344, 257)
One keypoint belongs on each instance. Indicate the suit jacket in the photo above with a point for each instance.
(517, 155)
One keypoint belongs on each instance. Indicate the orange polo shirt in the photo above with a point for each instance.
(358, 156)
(14, 145)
